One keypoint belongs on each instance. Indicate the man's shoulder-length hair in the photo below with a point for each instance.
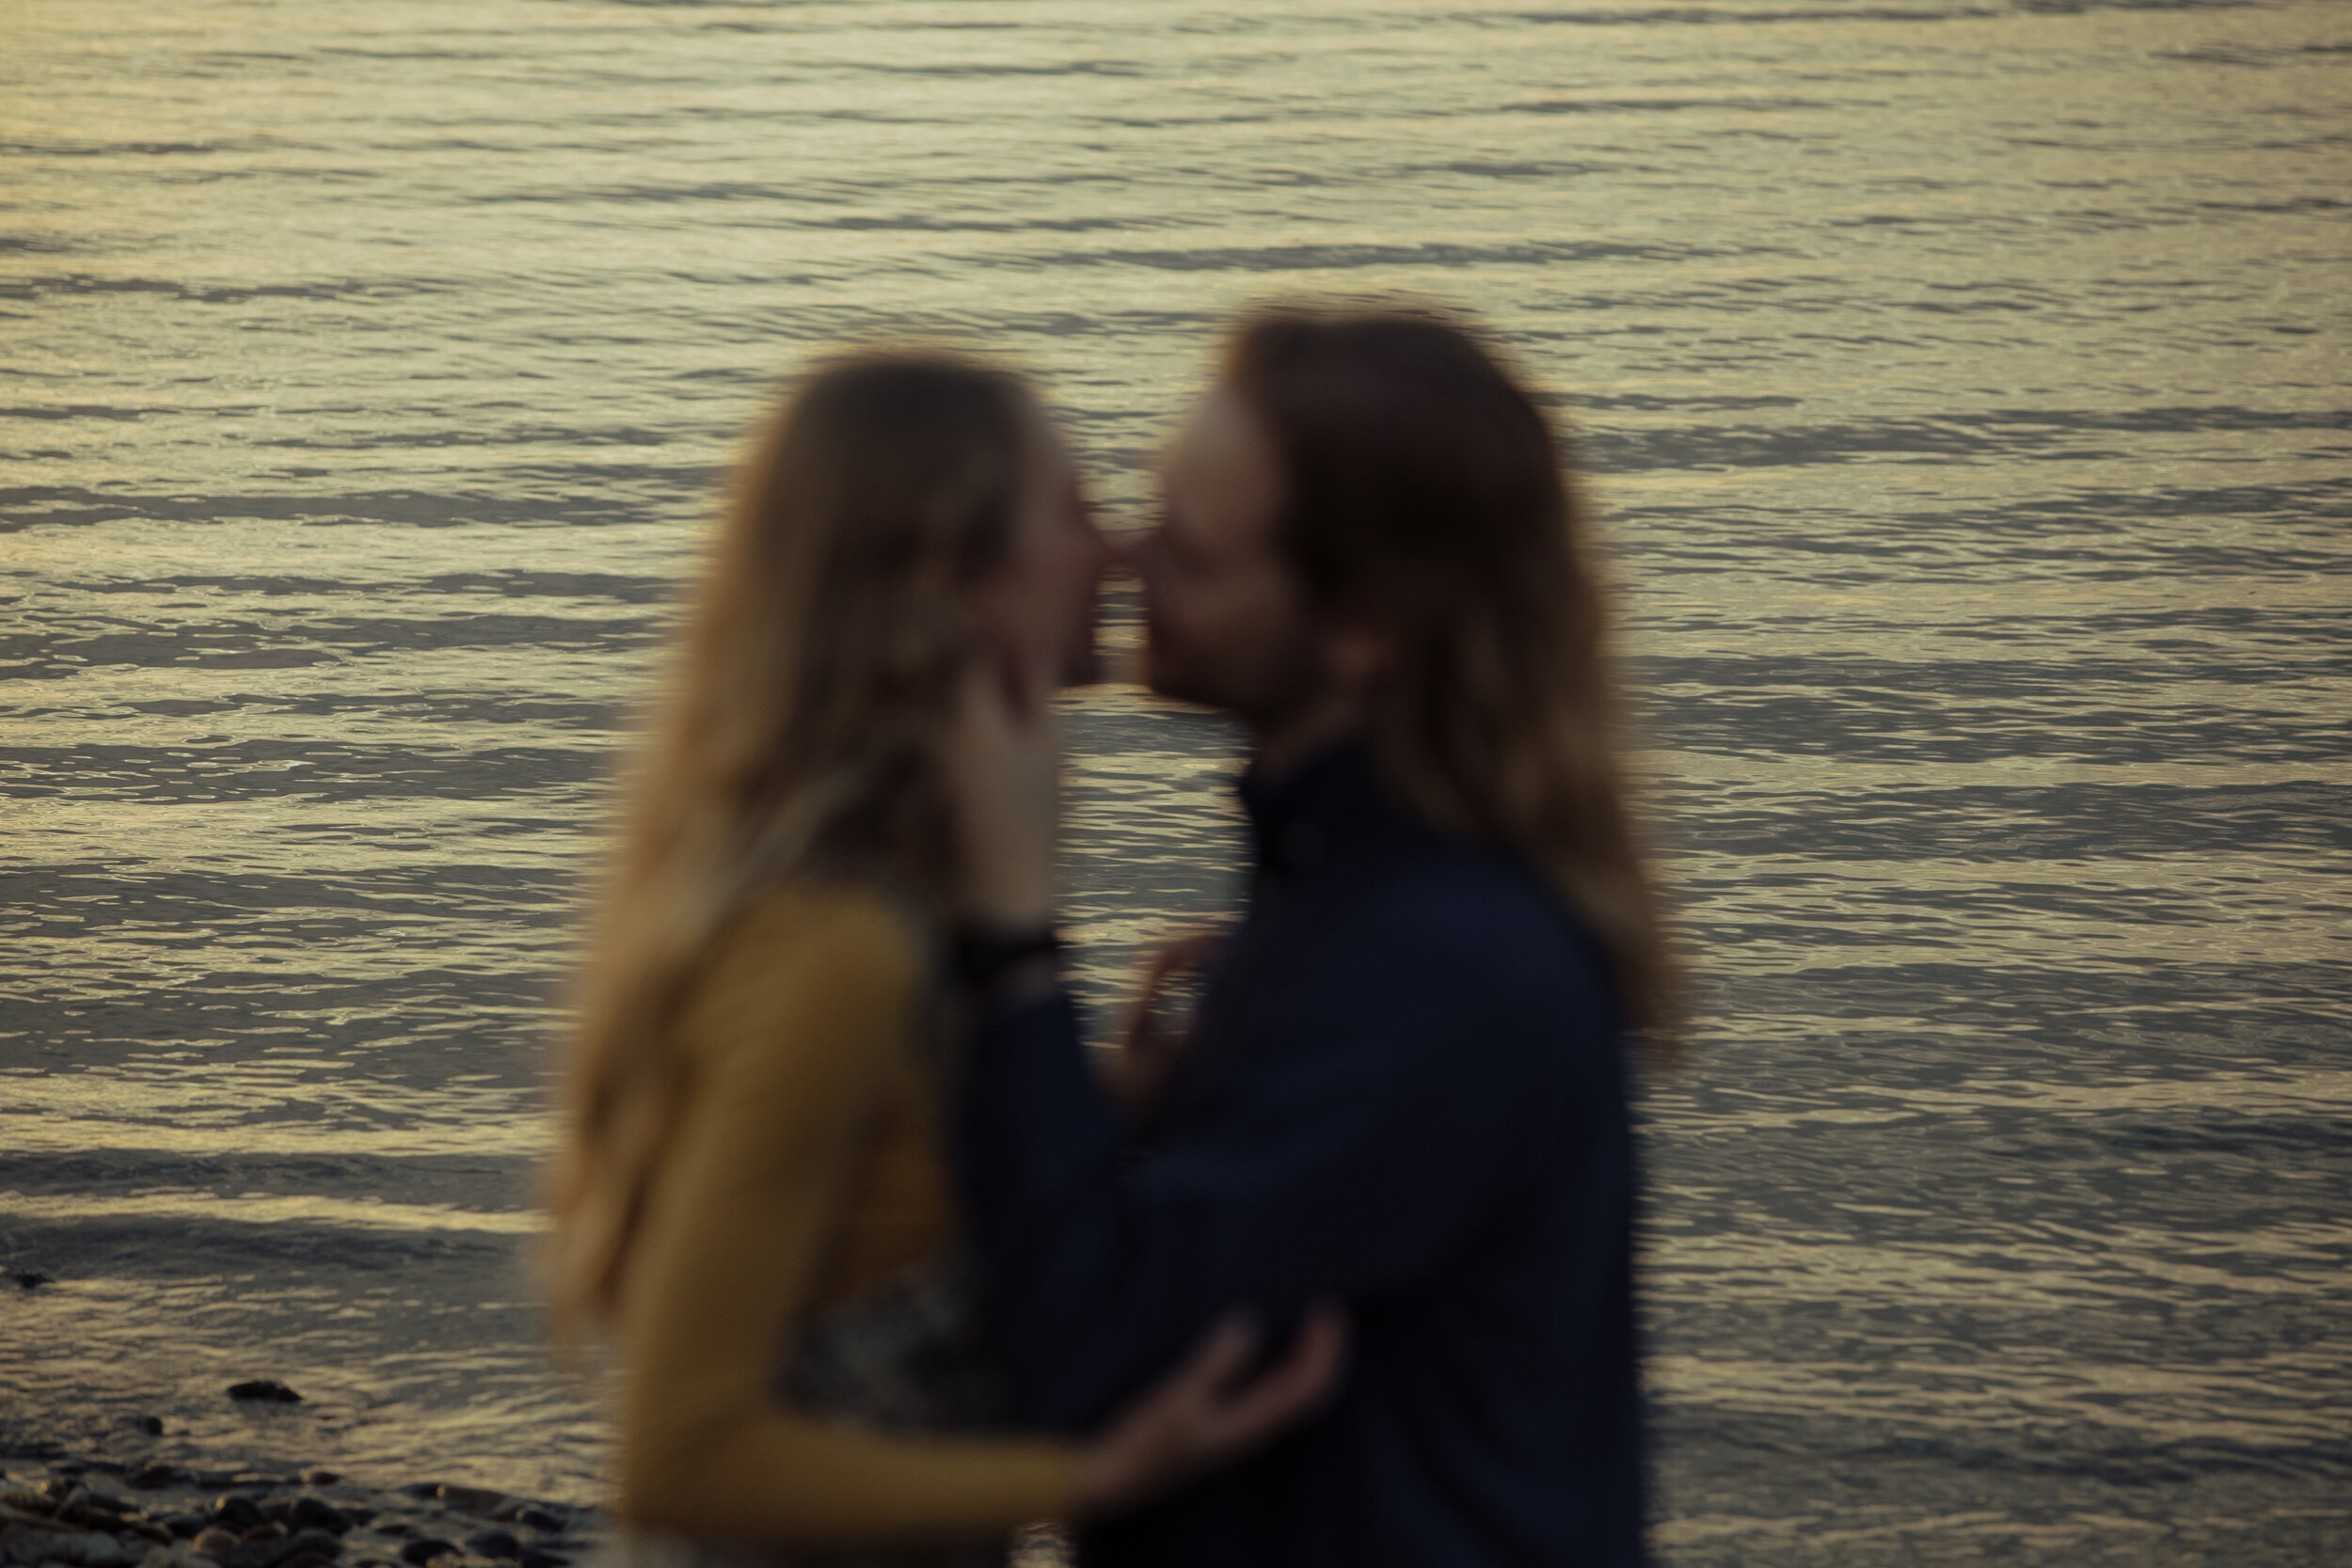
(1427, 497)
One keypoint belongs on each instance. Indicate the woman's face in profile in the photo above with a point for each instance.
(1037, 606)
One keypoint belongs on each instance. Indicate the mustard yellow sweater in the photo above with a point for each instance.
(806, 1167)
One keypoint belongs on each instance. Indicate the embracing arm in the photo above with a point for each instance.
(795, 1033)
(1348, 1161)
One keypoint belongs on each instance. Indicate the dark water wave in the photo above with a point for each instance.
(1962, 391)
(584, 503)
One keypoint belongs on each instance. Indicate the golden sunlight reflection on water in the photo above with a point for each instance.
(1963, 389)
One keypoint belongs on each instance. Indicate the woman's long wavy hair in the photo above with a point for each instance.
(1426, 494)
(815, 678)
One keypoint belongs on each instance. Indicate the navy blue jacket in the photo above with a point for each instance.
(1407, 1095)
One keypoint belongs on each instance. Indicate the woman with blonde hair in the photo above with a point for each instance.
(752, 1194)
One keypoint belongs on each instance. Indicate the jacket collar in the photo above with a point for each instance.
(1334, 802)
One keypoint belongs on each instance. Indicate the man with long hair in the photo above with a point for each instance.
(1405, 1088)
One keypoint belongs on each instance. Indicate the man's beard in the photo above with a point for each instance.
(1291, 678)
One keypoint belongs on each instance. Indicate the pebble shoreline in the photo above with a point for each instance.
(96, 1514)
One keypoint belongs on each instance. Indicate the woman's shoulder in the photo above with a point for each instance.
(832, 914)
(814, 944)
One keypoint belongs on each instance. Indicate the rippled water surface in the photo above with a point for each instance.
(1966, 388)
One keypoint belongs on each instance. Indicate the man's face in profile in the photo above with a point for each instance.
(1226, 618)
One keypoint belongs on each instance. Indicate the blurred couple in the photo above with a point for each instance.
(1338, 1270)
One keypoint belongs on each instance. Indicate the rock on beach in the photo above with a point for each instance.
(267, 1389)
(72, 1514)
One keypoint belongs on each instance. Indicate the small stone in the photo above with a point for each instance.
(270, 1545)
(425, 1550)
(152, 1425)
(319, 1543)
(97, 1549)
(319, 1475)
(493, 1543)
(540, 1519)
(27, 1547)
(184, 1526)
(239, 1511)
(264, 1389)
(92, 1518)
(96, 1510)
(318, 1514)
(155, 1477)
(534, 1558)
(395, 1526)
(268, 1531)
(472, 1500)
(29, 1280)
(280, 1509)
(212, 1540)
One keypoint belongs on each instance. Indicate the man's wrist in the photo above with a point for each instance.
(1004, 969)
(986, 953)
